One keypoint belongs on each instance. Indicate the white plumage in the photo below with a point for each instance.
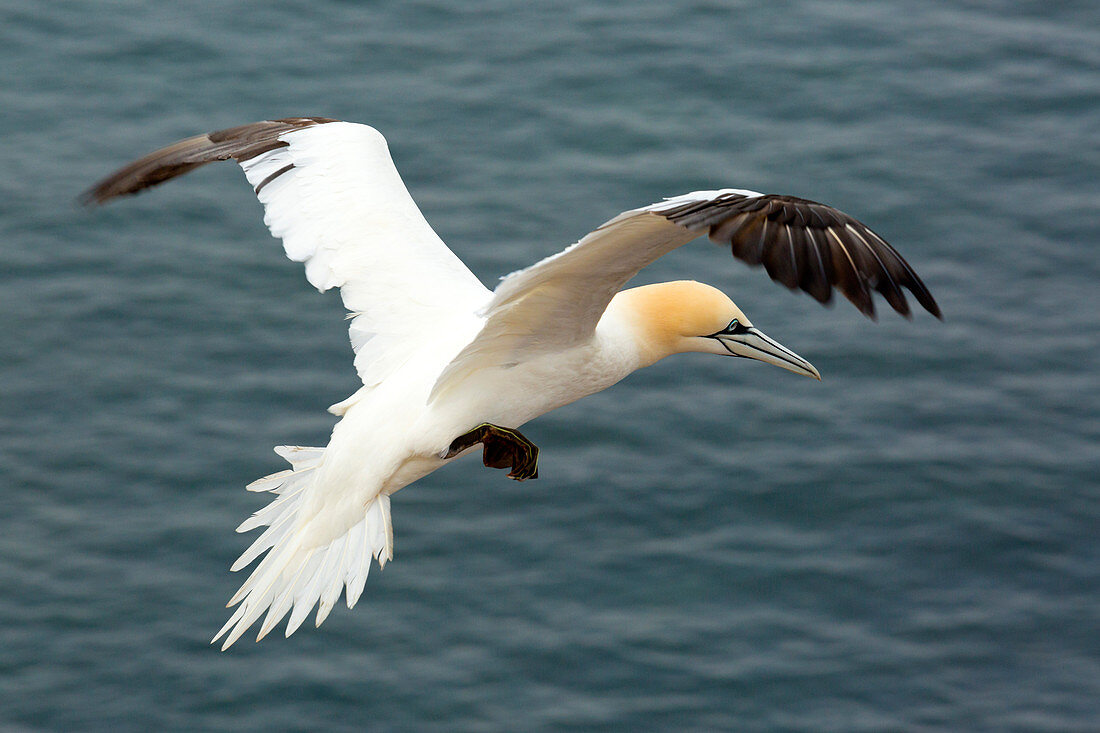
(439, 354)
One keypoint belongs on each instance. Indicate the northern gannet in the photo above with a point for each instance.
(448, 365)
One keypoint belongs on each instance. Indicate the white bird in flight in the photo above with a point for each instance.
(448, 365)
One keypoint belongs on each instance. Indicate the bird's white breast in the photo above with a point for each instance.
(514, 394)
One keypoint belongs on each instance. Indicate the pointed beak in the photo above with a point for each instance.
(751, 343)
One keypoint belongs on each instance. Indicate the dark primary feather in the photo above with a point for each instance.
(239, 143)
(809, 246)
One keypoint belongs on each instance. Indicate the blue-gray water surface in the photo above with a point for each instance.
(713, 544)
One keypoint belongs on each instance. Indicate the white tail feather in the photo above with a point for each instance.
(292, 578)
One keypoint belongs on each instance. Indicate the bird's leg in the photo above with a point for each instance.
(504, 448)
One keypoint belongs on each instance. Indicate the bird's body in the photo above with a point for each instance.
(391, 435)
(447, 364)
(406, 435)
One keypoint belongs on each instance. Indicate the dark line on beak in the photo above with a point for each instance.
(727, 348)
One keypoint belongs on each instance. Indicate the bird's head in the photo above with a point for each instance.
(685, 316)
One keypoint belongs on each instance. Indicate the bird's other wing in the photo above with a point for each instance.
(558, 301)
(333, 195)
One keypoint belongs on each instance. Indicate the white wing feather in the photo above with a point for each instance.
(342, 209)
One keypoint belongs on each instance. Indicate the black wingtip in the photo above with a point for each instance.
(920, 292)
(930, 305)
(240, 143)
(97, 195)
(808, 246)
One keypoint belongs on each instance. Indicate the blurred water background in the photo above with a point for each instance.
(909, 545)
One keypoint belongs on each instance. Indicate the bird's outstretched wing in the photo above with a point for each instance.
(558, 301)
(332, 194)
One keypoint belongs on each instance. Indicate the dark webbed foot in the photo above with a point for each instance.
(504, 448)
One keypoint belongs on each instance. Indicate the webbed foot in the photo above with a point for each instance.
(504, 448)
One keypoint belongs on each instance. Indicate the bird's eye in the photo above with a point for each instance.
(733, 326)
